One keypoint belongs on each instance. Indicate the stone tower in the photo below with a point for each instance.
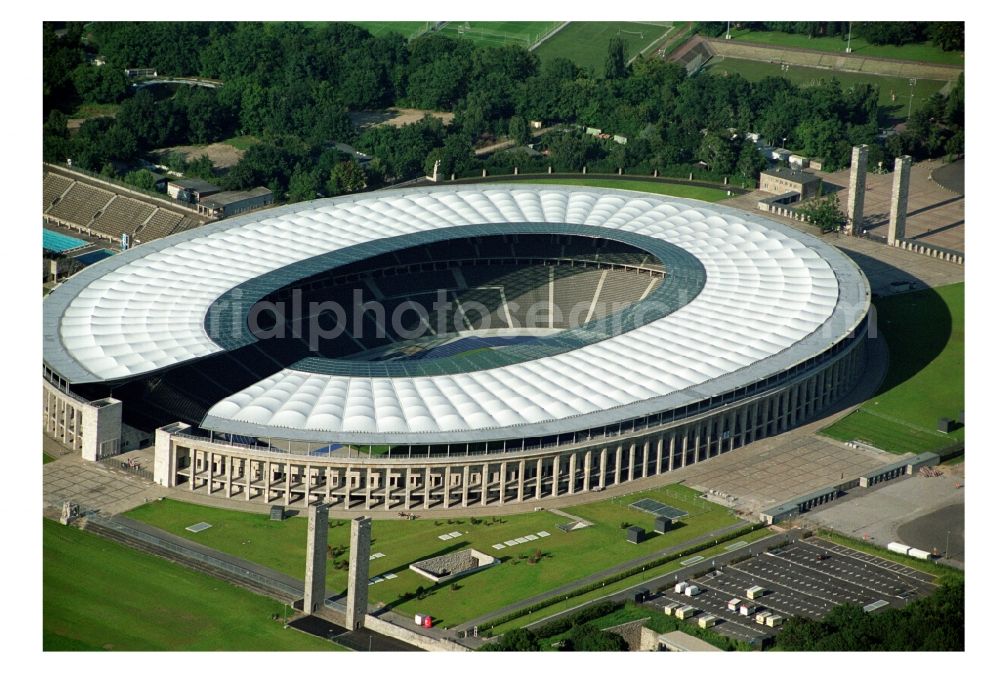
(357, 573)
(856, 190)
(315, 587)
(900, 195)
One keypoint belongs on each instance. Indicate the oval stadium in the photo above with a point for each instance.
(456, 346)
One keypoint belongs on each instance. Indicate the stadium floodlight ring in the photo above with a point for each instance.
(772, 298)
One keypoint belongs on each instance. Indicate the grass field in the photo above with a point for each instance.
(495, 33)
(568, 556)
(925, 51)
(585, 43)
(925, 331)
(758, 70)
(46, 458)
(673, 189)
(99, 595)
(88, 110)
(628, 582)
(242, 142)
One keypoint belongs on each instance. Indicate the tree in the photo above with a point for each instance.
(588, 638)
(518, 130)
(142, 179)
(303, 185)
(751, 162)
(201, 167)
(825, 213)
(615, 66)
(346, 177)
(716, 151)
(515, 640)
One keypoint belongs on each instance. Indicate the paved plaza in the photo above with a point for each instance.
(880, 515)
(775, 470)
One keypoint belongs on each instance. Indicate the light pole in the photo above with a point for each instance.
(848, 50)
(913, 82)
(947, 543)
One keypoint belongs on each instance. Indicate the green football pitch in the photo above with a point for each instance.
(585, 43)
(495, 33)
(925, 331)
(99, 595)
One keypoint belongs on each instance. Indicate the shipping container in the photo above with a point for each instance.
(746, 610)
(755, 592)
(685, 612)
(762, 617)
(692, 590)
(733, 605)
(774, 621)
(707, 621)
(899, 548)
(680, 587)
(670, 607)
(919, 554)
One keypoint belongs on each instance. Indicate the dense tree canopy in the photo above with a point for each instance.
(292, 86)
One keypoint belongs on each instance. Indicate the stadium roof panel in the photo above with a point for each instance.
(772, 297)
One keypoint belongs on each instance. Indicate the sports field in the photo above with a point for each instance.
(585, 43)
(925, 331)
(674, 189)
(408, 29)
(566, 555)
(758, 70)
(924, 51)
(496, 33)
(99, 595)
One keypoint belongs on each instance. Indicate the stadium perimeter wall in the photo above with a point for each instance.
(268, 476)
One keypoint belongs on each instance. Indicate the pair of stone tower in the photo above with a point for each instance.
(357, 573)
(900, 195)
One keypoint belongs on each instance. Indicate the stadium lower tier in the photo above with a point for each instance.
(412, 477)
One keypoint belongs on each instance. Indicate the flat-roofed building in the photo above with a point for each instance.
(191, 190)
(781, 181)
(230, 203)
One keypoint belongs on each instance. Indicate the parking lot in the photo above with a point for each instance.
(807, 578)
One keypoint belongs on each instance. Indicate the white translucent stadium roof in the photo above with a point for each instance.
(773, 297)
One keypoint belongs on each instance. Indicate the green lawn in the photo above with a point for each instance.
(585, 43)
(925, 51)
(46, 458)
(925, 331)
(568, 556)
(242, 142)
(89, 110)
(672, 189)
(99, 595)
(809, 77)
(524, 33)
(631, 581)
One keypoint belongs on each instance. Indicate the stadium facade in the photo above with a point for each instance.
(453, 346)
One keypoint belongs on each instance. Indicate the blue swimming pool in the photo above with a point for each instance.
(58, 242)
(94, 256)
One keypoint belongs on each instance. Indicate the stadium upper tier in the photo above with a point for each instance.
(743, 299)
